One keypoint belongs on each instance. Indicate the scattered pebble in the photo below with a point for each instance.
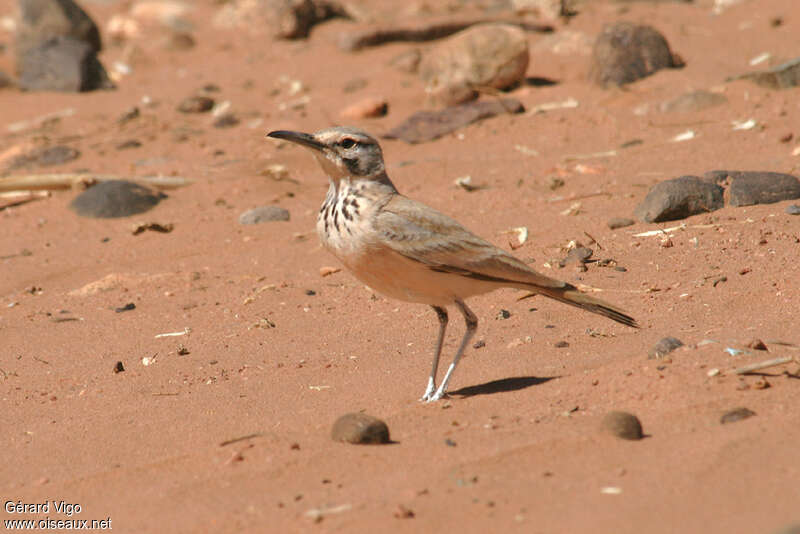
(664, 347)
(359, 428)
(131, 143)
(561, 344)
(264, 214)
(118, 367)
(619, 222)
(694, 101)
(713, 372)
(756, 344)
(226, 120)
(115, 198)
(783, 76)
(793, 209)
(401, 512)
(623, 425)
(196, 104)
(737, 414)
(43, 157)
(367, 108)
(425, 126)
(128, 307)
(503, 314)
(577, 255)
(327, 271)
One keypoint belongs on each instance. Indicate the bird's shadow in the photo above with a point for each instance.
(513, 383)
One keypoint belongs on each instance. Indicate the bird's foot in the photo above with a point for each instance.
(431, 396)
(429, 391)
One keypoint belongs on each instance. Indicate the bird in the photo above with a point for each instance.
(408, 251)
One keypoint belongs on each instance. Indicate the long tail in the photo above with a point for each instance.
(574, 297)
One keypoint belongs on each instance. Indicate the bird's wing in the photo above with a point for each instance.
(423, 234)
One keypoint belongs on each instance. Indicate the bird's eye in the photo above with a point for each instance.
(348, 143)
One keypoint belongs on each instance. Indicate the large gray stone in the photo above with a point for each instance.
(62, 64)
(746, 188)
(115, 198)
(56, 48)
(485, 55)
(41, 20)
(625, 52)
(679, 198)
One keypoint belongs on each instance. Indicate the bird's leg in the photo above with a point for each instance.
(442, 314)
(472, 325)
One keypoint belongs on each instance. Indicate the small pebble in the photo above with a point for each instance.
(619, 222)
(264, 214)
(561, 344)
(226, 120)
(623, 425)
(196, 104)
(359, 428)
(503, 314)
(366, 109)
(737, 414)
(128, 307)
(664, 347)
(118, 367)
(756, 344)
(793, 209)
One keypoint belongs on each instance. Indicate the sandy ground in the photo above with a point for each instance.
(518, 446)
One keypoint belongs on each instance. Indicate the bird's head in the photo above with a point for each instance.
(341, 151)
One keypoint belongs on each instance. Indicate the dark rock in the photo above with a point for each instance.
(623, 425)
(360, 428)
(561, 344)
(619, 222)
(228, 120)
(694, 101)
(62, 64)
(746, 188)
(664, 347)
(44, 157)
(118, 367)
(793, 209)
(781, 77)
(503, 314)
(115, 198)
(128, 307)
(679, 198)
(756, 344)
(196, 104)
(42, 20)
(425, 126)
(264, 214)
(131, 143)
(293, 19)
(625, 52)
(737, 414)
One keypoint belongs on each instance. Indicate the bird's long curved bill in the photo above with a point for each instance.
(299, 138)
